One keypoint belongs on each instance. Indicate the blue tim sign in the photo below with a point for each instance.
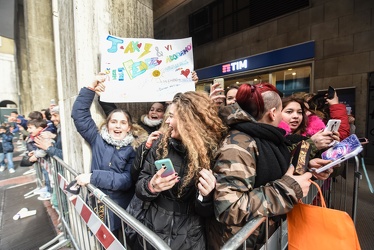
(290, 54)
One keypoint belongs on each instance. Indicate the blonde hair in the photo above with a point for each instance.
(200, 129)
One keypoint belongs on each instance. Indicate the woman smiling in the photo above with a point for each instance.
(113, 149)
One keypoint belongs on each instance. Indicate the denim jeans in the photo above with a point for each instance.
(9, 157)
(46, 180)
(2, 157)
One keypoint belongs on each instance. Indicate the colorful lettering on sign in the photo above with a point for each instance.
(179, 54)
(114, 74)
(135, 69)
(234, 66)
(121, 75)
(136, 46)
(115, 41)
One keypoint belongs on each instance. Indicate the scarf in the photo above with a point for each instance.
(273, 157)
(149, 122)
(129, 138)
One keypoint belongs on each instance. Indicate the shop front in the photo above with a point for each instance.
(290, 69)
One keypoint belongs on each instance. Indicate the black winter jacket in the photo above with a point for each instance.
(179, 221)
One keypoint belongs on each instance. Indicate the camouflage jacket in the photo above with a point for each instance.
(236, 200)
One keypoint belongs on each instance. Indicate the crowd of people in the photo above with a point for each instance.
(232, 153)
(38, 135)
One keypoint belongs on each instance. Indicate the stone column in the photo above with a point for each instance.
(79, 25)
(36, 60)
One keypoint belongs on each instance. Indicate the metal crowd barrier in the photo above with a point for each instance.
(335, 197)
(83, 228)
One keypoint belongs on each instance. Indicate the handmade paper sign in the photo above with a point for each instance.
(146, 70)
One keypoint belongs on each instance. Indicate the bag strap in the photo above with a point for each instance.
(323, 203)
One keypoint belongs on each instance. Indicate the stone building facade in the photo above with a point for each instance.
(342, 33)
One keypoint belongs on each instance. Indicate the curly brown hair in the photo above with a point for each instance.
(200, 129)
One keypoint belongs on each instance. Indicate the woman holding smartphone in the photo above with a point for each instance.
(180, 201)
(301, 126)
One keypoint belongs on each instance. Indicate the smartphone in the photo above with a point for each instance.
(347, 148)
(330, 93)
(332, 125)
(221, 82)
(165, 163)
(363, 140)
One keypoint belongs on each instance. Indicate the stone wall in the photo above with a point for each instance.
(38, 86)
(79, 25)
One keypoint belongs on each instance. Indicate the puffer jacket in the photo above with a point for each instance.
(178, 220)
(238, 198)
(7, 142)
(110, 166)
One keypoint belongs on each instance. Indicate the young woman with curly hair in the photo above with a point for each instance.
(179, 202)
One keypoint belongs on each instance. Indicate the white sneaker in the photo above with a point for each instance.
(41, 190)
(31, 171)
(12, 170)
(45, 196)
(2, 168)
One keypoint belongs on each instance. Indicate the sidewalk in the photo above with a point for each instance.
(30, 232)
(7, 178)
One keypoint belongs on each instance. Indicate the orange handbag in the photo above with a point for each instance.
(315, 227)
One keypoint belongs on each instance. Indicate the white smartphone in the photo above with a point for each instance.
(347, 148)
(221, 82)
(332, 125)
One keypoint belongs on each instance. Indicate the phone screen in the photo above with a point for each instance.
(330, 93)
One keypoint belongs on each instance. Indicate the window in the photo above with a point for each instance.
(224, 17)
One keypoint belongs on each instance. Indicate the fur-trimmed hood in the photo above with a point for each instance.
(140, 135)
(315, 124)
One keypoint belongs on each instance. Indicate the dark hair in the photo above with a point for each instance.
(162, 103)
(126, 113)
(14, 112)
(317, 104)
(35, 115)
(233, 86)
(47, 114)
(251, 99)
(38, 123)
(304, 123)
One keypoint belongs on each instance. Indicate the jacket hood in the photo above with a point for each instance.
(233, 114)
(140, 135)
(315, 124)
